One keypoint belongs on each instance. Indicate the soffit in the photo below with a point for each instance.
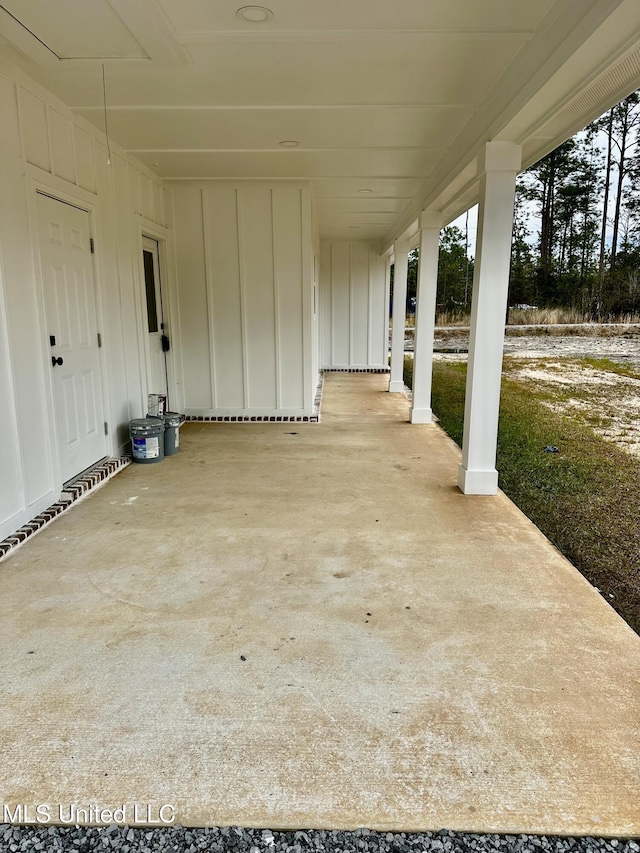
(380, 96)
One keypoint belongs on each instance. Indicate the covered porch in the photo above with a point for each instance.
(308, 625)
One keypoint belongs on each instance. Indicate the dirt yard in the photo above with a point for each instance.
(620, 344)
(566, 373)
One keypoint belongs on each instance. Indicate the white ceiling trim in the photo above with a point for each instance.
(144, 19)
(306, 179)
(271, 107)
(320, 200)
(152, 29)
(16, 33)
(461, 35)
(283, 151)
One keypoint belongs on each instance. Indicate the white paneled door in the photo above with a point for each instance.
(71, 327)
(158, 339)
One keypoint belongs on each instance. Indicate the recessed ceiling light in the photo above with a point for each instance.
(288, 143)
(254, 14)
(365, 192)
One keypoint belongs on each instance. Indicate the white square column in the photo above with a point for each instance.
(430, 224)
(400, 271)
(498, 166)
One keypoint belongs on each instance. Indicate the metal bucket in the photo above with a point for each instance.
(171, 433)
(147, 440)
(157, 404)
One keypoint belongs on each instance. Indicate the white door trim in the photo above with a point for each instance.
(161, 236)
(40, 182)
(159, 382)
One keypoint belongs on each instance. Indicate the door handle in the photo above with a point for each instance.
(55, 360)
(166, 346)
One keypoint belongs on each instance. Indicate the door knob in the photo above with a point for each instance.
(55, 360)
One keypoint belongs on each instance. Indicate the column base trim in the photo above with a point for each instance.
(477, 482)
(396, 386)
(421, 416)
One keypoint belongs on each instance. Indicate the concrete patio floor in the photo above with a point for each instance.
(299, 625)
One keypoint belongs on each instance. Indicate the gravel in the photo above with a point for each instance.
(178, 839)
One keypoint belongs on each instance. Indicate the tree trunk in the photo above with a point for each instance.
(603, 231)
(546, 227)
(621, 174)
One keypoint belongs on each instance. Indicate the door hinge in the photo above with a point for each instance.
(99, 340)
(92, 245)
(106, 428)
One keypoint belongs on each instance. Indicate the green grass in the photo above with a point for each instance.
(585, 499)
(611, 366)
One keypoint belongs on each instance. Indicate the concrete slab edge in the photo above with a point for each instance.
(245, 419)
(77, 490)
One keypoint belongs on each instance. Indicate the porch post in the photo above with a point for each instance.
(498, 166)
(430, 224)
(400, 270)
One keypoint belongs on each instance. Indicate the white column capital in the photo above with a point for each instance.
(499, 157)
(431, 219)
(402, 246)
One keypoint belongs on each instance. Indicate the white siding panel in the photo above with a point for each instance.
(135, 189)
(340, 303)
(287, 247)
(316, 358)
(359, 304)
(378, 312)
(158, 204)
(61, 135)
(11, 496)
(85, 161)
(33, 117)
(257, 287)
(252, 292)
(25, 333)
(223, 273)
(353, 315)
(146, 185)
(131, 398)
(324, 306)
(192, 299)
(112, 208)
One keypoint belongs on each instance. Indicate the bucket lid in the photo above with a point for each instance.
(151, 425)
(173, 418)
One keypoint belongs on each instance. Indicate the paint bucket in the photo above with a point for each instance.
(157, 404)
(171, 433)
(147, 439)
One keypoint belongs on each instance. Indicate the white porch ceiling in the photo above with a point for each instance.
(390, 97)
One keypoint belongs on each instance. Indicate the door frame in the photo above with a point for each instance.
(40, 182)
(169, 310)
(162, 325)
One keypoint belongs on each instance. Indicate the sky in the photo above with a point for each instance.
(473, 228)
(533, 220)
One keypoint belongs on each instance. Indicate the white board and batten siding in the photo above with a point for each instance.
(45, 148)
(354, 312)
(244, 282)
